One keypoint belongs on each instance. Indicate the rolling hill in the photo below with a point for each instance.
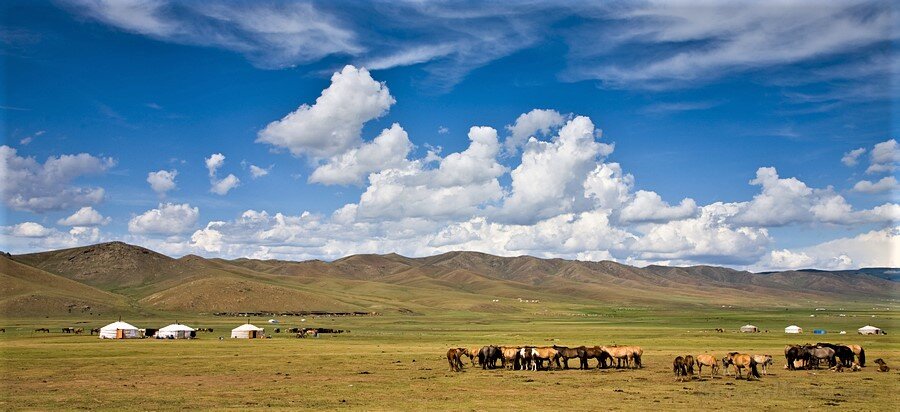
(119, 275)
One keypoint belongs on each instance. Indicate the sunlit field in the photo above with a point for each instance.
(395, 362)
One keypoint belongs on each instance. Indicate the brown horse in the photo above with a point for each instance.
(741, 361)
(79, 331)
(95, 330)
(624, 355)
(595, 352)
(45, 330)
(509, 357)
(882, 365)
(689, 364)
(860, 354)
(707, 360)
(566, 353)
(473, 353)
(454, 356)
(545, 353)
(680, 369)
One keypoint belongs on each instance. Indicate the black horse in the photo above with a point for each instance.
(844, 353)
(488, 356)
(797, 353)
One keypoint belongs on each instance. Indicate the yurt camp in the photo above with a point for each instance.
(176, 331)
(870, 330)
(247, 331)
(793, 329)
(748, 328)
(119, 330)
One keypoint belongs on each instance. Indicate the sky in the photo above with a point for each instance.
(753, 135)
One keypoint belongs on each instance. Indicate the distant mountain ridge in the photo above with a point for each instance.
(139, 278)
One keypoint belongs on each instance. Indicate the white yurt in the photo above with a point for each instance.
(119, 330)
(175, 331)
(793, 329)
(749, 328)
(247, 331)
(870, 330)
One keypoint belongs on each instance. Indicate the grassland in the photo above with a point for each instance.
(396, 362)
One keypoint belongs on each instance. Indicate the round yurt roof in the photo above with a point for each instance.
(176, 328)
(118, 325)
(793, 327)
(868, 327)
(246, 327)
(748, 326)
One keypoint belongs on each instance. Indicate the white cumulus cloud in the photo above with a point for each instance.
(26, 184)
(85, 216)
(886, 184)
(166, 219)
(162, 181)
(333, 124)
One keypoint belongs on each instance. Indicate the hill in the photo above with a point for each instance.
(28, 291)
(465, 281)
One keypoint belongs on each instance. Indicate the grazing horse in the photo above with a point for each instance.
(817, 353)
(68, 330)
(707, 360)
(859, 352)
(79, 331)
(741, 361)
(796, 354)
(764, 361)
(566, 353)
(488, 357)
(473, 353)
(454, 356)
(509, 357)
(689, 364)
(844, 353)
(680, 369)
(622, 354)
(2, 330)
(882, 366)
(95, 330)
(594, 352)
(636, 353)
(540, 354)
(45, 330)
(527, 358)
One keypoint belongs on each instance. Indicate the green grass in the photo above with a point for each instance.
(397, 362)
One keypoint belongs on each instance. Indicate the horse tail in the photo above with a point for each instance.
(862, 357)
(637, 360)
(753, 370)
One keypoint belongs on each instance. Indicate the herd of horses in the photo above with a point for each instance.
(533, 358)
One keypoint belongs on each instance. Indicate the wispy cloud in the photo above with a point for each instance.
(675, 107)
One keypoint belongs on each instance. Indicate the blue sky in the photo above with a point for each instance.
(753, 135)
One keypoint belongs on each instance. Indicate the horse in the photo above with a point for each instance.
(473, 353)
(527, 355)
(796, 354)
(844, 353)
(45, 330)
(488, 357)
(622, 354)
(636, 353)
(566, 353)
(817, 353)
(859, 352)
(764, 361)
(594, 352)
(707, 360)
(2, 330)
(509, 357)
(741, 361)
(68, 330)
(454, 356)
(545, 353)
(277, 330)
(882, 365)
(689, 364)
(79, 331)
(679, 368)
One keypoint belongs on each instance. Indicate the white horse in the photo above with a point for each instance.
(764, 361)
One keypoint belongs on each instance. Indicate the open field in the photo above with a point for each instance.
(396, 362)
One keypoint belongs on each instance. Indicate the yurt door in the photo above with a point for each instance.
(120, 333)
(252, 334)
